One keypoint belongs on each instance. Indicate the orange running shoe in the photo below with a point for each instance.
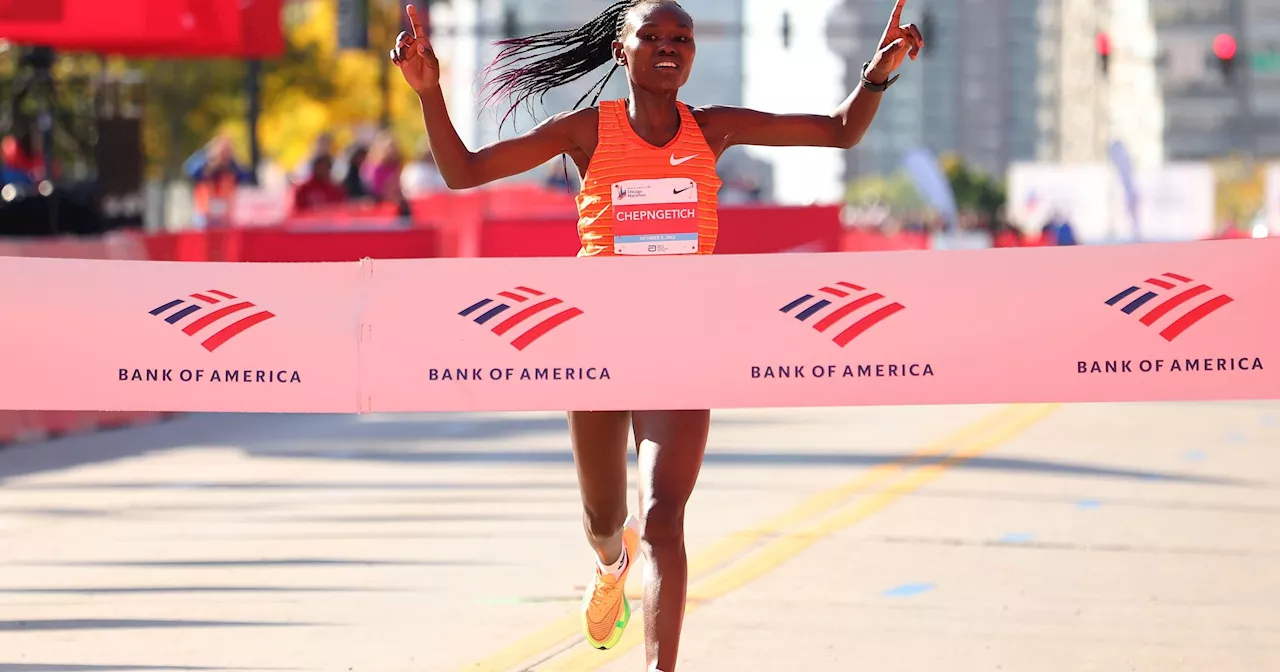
(605, 609)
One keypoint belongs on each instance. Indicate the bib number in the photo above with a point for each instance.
(655, 217)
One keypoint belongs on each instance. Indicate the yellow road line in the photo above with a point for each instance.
(735, 544)
(732, 546)
(780, 550)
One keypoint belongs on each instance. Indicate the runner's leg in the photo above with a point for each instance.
(600, 455)
(671, 445)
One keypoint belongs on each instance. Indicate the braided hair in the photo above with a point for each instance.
(531, 66)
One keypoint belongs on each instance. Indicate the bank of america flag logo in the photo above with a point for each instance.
(1174, 301)
(521, 315)
(844, 309)
(213, 315)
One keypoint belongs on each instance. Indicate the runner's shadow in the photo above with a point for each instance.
(256, 563)
(150, 590)
(57, 624)
(751, 459)
(58, 667)
(266, 430)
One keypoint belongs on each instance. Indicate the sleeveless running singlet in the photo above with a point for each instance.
(642, 200)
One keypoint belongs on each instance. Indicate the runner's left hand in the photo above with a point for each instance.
(897, 43)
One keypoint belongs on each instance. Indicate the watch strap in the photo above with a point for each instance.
(872, 86)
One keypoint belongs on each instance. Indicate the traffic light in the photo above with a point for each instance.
(786, 30)
(1102, 44)
(927, 24)
(1224, 49)
(510, 24)
(353, 24)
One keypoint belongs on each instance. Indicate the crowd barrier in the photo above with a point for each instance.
(278, 245)
(535, 223)
(1156, 322)
(743, 230)
(34, 425)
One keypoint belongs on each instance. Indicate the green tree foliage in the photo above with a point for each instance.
(1241, 186)
(895, 192)
(312, 89)
(974, 191)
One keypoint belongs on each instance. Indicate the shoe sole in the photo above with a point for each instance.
(621, 625)
(618, 628)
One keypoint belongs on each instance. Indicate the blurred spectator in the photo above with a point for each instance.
(422, 175)
(215, 174)
(738, 189)
(319, 189)
(17, 163)
(351, 180)
(558, 177)
(381, 170)
(1057, 231)
(1003, 232)
(323, 148)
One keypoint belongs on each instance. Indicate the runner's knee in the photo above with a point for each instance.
(663, 522)
(603, 522)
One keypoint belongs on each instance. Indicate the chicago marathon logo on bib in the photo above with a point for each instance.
(655, 216)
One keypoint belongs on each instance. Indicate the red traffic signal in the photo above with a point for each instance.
(1224, 47)
(1225, 50)
(1102, 42)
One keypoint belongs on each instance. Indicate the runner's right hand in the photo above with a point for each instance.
(415, 57)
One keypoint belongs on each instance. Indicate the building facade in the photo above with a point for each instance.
(1206, 114)
(973, 92)
(1098, 82)
(1210, 113)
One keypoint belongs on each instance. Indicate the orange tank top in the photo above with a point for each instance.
(643, 200)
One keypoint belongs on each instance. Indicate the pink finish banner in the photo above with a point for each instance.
(1188, 321)
(166, 336)
(1158, 322)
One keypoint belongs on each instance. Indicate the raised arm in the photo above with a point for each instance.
(845, 126)
(460, 167)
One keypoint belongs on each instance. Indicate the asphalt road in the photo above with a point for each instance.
(1046, 538)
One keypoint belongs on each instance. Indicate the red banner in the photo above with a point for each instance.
(24, 10)
(144, 28)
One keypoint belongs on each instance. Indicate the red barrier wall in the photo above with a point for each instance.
(279, 245)
(743, 230)
(870, 240)
(527, 237)
(764, 229)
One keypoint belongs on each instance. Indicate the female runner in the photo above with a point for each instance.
(658, 155)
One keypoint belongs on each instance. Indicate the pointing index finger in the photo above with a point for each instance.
(895, 19)
(418, 31)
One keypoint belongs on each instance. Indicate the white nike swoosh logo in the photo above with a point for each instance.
(676, 162)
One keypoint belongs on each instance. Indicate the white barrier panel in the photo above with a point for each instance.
(1184, 321)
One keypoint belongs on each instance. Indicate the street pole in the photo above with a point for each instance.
(253, 82)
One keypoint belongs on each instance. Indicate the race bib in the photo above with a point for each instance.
(655, 216)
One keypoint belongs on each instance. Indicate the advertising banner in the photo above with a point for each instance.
(166, 336)
(148, 28)
(1153, 322)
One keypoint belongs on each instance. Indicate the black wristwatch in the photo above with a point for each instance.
(872, 86)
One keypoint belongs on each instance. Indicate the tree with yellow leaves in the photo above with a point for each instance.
(1240, 189)
(313, 88)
